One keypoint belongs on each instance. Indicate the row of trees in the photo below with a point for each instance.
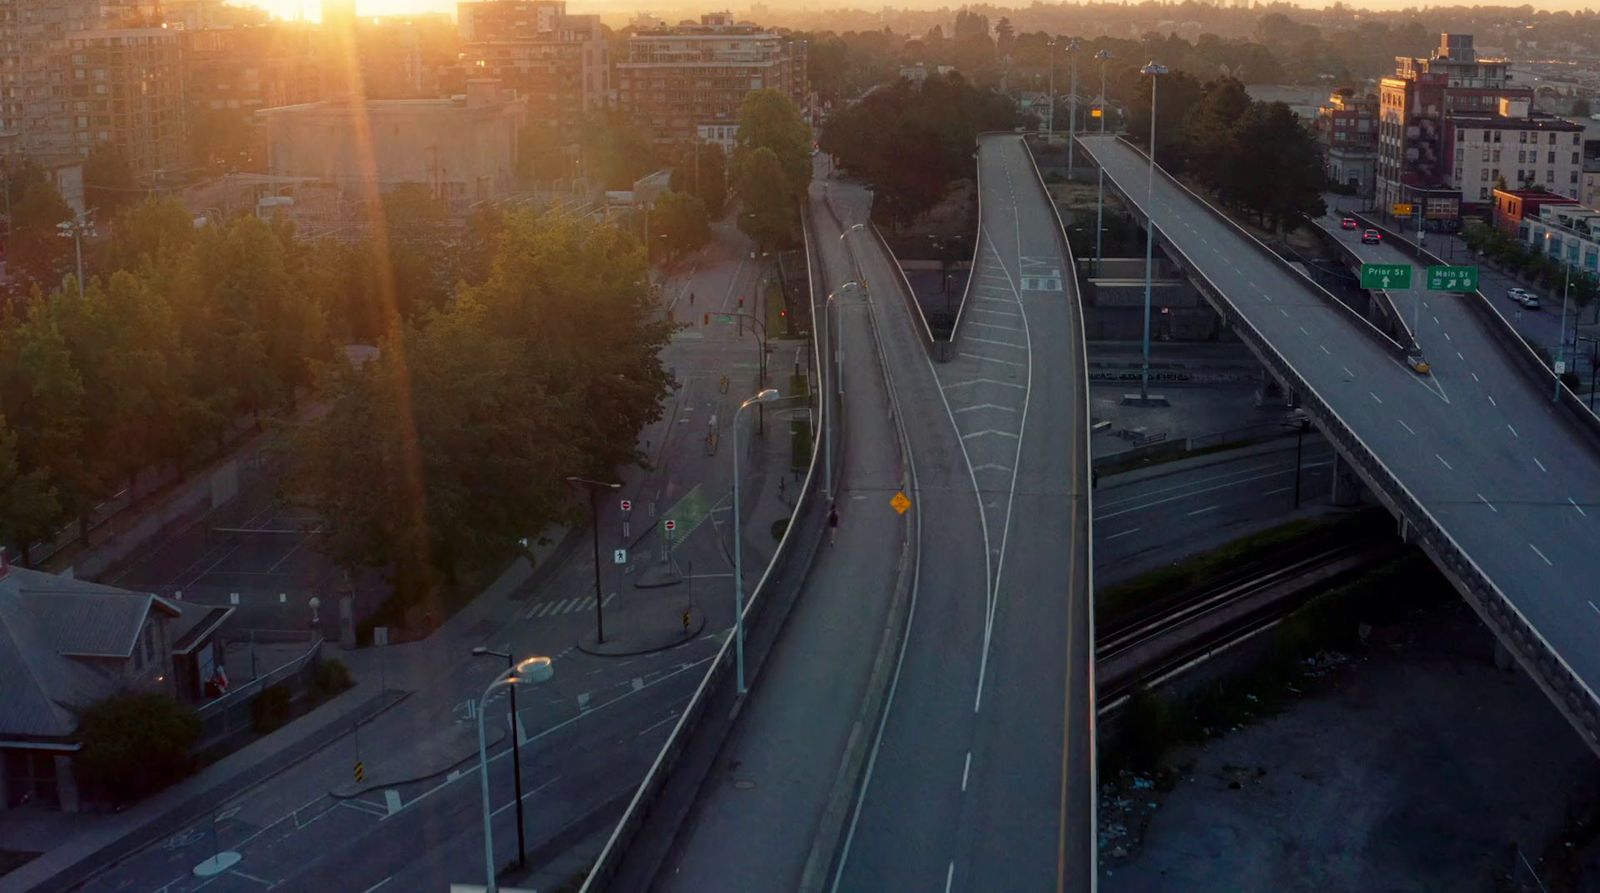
(911, 140)
(1525, 260)
(771, 167)
(456, 441)
(1255, 156)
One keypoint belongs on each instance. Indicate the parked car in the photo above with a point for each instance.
(1524, 297)
(1371, 237)
(1347, 223)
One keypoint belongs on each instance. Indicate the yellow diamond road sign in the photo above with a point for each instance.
(900, 503)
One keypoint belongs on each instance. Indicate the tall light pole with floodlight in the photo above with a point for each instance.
(1155, 70)
(766, 396)
(533, 669)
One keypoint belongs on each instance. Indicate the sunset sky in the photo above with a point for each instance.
(311, 9)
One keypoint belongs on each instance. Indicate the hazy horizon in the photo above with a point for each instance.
(311, 9)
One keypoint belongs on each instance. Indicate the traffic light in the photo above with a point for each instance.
(707, 320)
(741, 302)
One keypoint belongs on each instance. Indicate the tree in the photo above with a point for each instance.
(1580, 108)
(107, 180)
(135, 743)
(702, 171)
(681, 218)
(155, 231)
(28, 505)
(768, 120)
(615, 151)
(36, 253)
(418, 252)
(1208, 134)
(769, 206)
(1178, 92)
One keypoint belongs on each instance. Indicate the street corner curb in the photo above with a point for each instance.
(830, 828)
(657, 577)
(636, 645)
(378, 780)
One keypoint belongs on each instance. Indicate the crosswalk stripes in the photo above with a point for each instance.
(564, 606)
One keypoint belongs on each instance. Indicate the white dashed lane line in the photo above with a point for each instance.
(1444, 463)
(1541, 555)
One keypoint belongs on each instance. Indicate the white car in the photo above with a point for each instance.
(1523, 296)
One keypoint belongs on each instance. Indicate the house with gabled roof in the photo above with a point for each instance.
(66, 644)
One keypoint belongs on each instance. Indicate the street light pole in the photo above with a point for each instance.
(766, 396)
(1154, 70)
(533, 669)
(516, 751)
(1072, 107)
(75, 229)
(1051, 126)
(1100, 201)
(829, 358)
(594, 519)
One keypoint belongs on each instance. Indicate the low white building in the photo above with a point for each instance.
(1568, 234)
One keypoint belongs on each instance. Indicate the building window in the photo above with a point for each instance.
(1552, 158)
(1483, 192)
(1574, 177)
(1549, 176)
(1483, 174)
(1522, 136)
(1552, 139)
(1497, 136)
(1521, 156)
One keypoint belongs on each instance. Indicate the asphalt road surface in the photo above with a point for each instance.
(1484, 450)
(989, 732)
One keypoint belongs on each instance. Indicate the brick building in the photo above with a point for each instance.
(677, 81)
(1347, 129)
(560, 63)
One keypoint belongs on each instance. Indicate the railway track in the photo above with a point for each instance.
(1180, 631)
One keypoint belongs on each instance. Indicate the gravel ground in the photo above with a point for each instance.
(1413, 766)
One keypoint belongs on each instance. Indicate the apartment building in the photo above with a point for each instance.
(253, 67)
(677, 81)
(1511, 145)
(73, 78)
(1454, 126)
(559, 62)
(1347, 129)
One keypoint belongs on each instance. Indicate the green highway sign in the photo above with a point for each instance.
(1389, 276)
(1452, 278)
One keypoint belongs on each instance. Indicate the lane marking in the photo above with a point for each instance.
(1541, 554)
(1578, 507)
(1124, 533)
(1488, 503)
(1442, 462)
(1348, 372)
(1325, 349)
(1541, 465)
(1303, 331)
(1460, 357)
(1596, 609)
(1375, 397)
(1447, 336)
(1513, 431)
(1491, 400)
(950, 876)
(1475, 377)
(986, 406)
(1405, 426)
(1284, 312)
(1277, 491)
(965, 770)
(1209, 508)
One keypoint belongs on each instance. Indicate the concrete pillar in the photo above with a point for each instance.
(1503, 661)
(67, 783)
(1346, 486)
(1270, 393)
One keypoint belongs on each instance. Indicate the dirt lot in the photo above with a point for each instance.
(1413, 766)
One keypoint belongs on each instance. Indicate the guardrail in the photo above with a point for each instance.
(1086, 482)
(1265, 250)
(1506, 337)
(232, 712)
(1390, 308)
(715, 688)
(940, 349)
(1573, 696)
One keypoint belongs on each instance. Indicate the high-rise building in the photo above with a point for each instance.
(73, 78)
(691, 79)
(559, 62)
(1454, 125)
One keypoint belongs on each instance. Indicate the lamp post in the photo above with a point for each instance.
(1301, 425)
(516, 750)
(533, 669)
(1154, 70)
(1050, 125)
(1561, 338)
(595, 487)
(831, 357)
(1072, 100)
(766, 396)
(75, 229)
(1102, 57)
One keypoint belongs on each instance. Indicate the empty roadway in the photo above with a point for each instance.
(1484, 450)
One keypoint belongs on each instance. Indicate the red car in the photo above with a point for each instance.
(1371, 237)
(1347, 223)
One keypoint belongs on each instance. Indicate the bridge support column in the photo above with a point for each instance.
(1346, 485)
(1270, 393)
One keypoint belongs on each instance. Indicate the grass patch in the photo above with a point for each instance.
(1228, 559)
(1299, 652)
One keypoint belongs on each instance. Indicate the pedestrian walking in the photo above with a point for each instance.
(691, 299)
(833, 524)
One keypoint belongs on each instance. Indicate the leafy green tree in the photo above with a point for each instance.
(419, 255)
(701, 170)
(29, 510)
(135, 743)
(1209, 134)
(155, 231)
(42, 396)
(769, 205)
(768, 120)
(615, 151)
(107, 180)
(682, 219)
(36, 253)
